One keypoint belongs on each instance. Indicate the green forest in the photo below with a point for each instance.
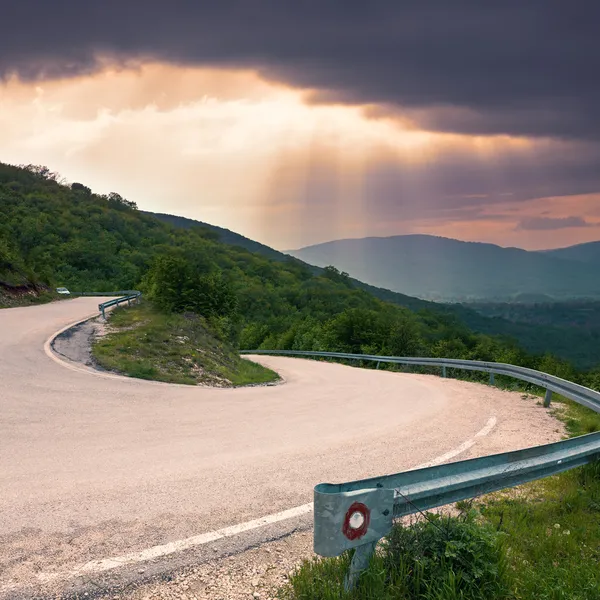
(53, 234)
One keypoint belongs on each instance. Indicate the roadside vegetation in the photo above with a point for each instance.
(65, 235)
(539, 541)
(9, 298)
(146, 343)
(55, 234)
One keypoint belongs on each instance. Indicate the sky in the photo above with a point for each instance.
(295, 123)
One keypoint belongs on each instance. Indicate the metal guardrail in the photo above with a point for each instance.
(551, 383)
(357, 514)
(130, 297)
(118, 293)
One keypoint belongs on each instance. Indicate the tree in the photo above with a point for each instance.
(175, 286)
(118, 201)
(79, 187)
(333, 274)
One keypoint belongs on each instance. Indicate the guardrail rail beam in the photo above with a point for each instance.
(357, 514)
(134, 296)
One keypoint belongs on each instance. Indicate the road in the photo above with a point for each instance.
(94, 466)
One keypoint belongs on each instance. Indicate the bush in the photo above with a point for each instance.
(175, 286)
(441, 558)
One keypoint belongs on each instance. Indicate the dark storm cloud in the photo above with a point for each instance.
(511, 66)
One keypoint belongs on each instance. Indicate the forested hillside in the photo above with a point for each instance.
(66, 235)
(579, 345)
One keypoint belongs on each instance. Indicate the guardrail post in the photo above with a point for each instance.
(360, 562)
(492, 379)
(443, 371)
(378, 364)
(547, 398)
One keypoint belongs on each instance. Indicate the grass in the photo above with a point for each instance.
(539, 541)
(437, 558)
(145, 343)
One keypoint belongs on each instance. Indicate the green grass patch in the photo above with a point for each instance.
(145, 343)
(553, 525)
(578, 419)
(539, 541)
(553, 535)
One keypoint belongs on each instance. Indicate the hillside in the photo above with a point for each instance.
(223, 235)
(588, 253)
(235, 239)
(67, 235)
(442, 269)
(61, 235)
(578, 345)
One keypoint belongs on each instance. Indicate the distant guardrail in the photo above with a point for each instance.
(551, 383)
(118, 293)
(357, 514)
(129, 297)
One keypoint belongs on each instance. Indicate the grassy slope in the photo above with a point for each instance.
(539, 541)
(147, 344)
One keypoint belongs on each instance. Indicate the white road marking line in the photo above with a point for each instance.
(462, 448)
(99, 566)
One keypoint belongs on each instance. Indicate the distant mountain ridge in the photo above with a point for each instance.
(443, 269)
(587, 253)
(225, 235)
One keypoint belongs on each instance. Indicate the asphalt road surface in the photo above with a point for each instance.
(96, 467)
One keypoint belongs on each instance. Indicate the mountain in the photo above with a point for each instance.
(223, 235)
(67, 235)
(231, 238)
(577, 344)
(53, 234)
(443, 269)
(587, 253)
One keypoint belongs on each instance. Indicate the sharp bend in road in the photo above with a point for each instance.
(95, 466)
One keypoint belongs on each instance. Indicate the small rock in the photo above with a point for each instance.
(256, 595)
